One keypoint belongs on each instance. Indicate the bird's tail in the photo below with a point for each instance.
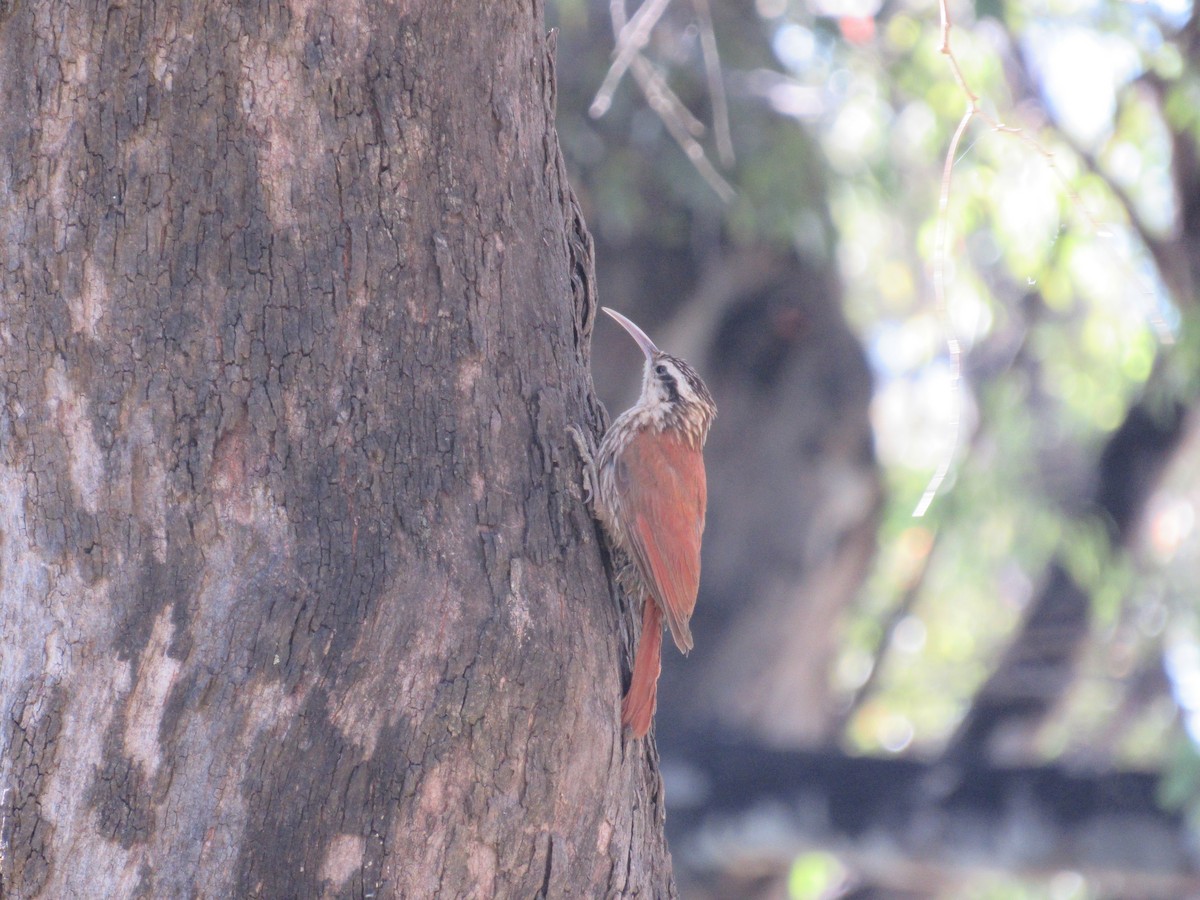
(637, 709)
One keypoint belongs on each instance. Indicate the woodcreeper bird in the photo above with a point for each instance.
(647, 488)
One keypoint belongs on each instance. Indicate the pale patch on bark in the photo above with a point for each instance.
(295, 413)
(419, 666)
(147, 478)
(343, 858)
(89, 305)
(422, 846)
(285, 123)
(205, 781)
(482, 864)
(156, 673)
(518, 605)
(60, 136)
(469, 372)
(25, 580)
(286, 120)
(44, 631)
(603, 838)
(110, 872)
(210, 778)
(39, 608)
(240, 497)
(95, 685)
(169, 52)
(419, 846)
(69, 410)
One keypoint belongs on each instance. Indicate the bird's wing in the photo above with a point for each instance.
(663, 493)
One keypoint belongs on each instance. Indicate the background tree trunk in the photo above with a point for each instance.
(299, 597)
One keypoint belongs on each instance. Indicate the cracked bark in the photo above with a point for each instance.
(299, 597)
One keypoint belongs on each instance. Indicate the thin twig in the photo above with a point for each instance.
(691, 147)
(683, 127)
(953, 349)
(996, 125)
(716, 85)
(941, 251)
(631, 38)
(974, 108)
(616, 13)
(649, 79)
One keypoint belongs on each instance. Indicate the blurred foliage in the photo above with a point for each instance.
(1055, 301)
(841, 113)
(815, 876)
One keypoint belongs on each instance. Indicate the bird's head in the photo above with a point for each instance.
(673, 394)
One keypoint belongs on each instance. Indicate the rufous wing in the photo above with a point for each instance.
(663, 495)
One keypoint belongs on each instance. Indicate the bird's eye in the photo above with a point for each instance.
(660, 369)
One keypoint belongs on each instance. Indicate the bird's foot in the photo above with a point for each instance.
(587, 453)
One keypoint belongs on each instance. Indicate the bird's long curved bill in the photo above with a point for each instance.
(638, 335)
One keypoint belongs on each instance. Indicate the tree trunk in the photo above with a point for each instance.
(299, 596)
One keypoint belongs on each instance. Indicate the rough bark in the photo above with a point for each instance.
(299, 597)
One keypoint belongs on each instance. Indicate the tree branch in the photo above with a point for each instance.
(886, 817)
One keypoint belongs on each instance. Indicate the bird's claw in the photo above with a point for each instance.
(587, 454)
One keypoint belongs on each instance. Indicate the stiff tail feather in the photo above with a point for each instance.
(637, 708)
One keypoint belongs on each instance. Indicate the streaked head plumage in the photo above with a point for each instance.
(673, 393)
